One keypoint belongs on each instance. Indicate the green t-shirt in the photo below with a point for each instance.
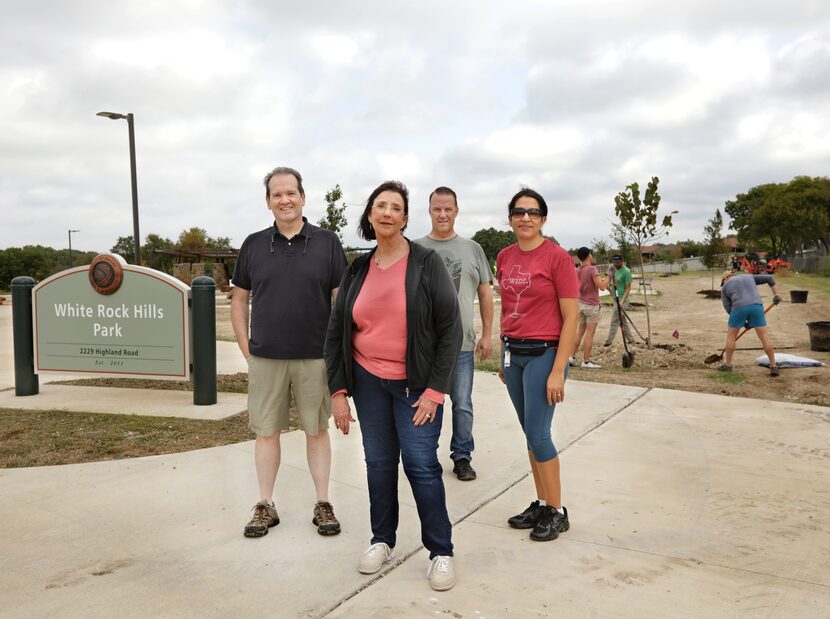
(622, 277)
(468, 268)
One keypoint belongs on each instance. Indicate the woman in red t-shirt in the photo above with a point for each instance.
(539, 313)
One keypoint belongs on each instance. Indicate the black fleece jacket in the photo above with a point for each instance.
(433, 322)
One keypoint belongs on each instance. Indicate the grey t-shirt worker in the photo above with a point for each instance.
(468, 268)
(741, 290)
(290, 282)
(470, 271)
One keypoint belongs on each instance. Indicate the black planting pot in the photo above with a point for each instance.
(819, 335)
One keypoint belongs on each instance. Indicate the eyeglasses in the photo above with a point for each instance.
(533, 213)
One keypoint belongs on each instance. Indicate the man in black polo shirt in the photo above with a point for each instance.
(288, 273)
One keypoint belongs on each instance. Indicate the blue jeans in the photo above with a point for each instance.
(526, 380)
(384, 410)
(461, 392)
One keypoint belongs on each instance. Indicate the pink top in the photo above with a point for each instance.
(531, 284)
(379, 317)
(588, 291)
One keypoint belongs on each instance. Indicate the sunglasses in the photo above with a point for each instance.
(533, 213)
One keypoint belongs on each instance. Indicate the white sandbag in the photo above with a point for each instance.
(783, 360)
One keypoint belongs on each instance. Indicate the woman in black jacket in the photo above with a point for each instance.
(392, 343)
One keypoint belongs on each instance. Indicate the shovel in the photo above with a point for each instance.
(719, 357)
(631, 322)
(628, 355)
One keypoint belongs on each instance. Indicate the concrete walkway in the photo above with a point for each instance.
(681, 505)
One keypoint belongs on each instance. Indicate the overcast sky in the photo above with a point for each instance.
(573, 98)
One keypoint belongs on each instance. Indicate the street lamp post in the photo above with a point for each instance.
(131, 128)
(70, 246)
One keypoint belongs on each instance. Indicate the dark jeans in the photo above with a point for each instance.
(384, 410)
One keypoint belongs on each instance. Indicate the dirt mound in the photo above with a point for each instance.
(670, 347)
(669, 356)
(710, 294)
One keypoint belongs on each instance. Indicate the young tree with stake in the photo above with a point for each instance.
(638, 220)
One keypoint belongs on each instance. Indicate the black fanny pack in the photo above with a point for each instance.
(531, 348)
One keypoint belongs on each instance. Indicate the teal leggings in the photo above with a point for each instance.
(526, 380)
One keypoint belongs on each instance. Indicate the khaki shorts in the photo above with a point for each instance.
(588, 314)
(270, 384)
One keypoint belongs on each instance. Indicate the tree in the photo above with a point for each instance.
(124, 247)
(335, 218)
(160, 262)
(690, 248)
(601, 250)
(624, 249)
(36, 261)
(780, 217)
(492, 241)
(638, 221)
(714, 245)
(198, 238)
(669, 256)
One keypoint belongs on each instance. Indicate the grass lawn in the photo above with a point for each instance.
(226, 383)
(42, 438)
(491, 364)
(730, 378)
(803, 281)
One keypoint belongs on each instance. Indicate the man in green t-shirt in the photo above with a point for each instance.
(470, 272)
(621, 286)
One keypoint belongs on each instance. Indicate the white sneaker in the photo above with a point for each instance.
(591, 365)
(374, 558)
(572, 362)
(441, 573)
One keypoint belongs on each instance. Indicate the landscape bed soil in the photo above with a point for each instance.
(677, 363)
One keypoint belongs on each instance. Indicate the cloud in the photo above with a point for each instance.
(576, 99)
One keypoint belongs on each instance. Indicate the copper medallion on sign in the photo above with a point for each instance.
(106, 274)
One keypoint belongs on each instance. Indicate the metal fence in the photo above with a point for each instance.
(811, 264)
(684, 264)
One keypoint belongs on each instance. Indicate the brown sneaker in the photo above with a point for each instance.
(324, 519)
(265, 517)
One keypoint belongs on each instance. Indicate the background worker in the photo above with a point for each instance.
(620, 277)
(590, 283)
(470, 272)
(742, 302)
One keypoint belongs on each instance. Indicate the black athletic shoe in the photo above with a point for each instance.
(550, 524)
(527, 519)
(774, 371)
(463, 470)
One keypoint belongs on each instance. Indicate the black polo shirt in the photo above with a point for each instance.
(291, 282)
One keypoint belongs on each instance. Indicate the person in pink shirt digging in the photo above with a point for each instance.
(590, 283)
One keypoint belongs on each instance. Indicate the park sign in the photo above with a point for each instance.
(112, 318)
